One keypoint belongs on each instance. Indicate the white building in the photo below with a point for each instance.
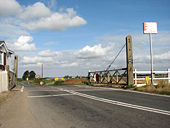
(5, 56)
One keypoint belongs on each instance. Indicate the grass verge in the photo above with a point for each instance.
(162, 88)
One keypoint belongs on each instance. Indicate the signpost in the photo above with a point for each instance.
(149, 28)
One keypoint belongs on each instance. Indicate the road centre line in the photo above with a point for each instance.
(149, 109)
(48, 95)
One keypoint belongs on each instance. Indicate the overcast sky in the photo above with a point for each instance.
(70, 37)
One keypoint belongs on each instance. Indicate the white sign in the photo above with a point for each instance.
(150, 27)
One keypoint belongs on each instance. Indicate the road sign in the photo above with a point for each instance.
(150, 27)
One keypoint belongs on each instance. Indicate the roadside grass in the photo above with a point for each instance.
(52, 82)
(76, 81)
(162, 88)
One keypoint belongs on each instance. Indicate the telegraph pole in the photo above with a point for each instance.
(42, 71)
(129, 60)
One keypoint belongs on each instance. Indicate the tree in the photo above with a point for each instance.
(32, 75)
(25, 75)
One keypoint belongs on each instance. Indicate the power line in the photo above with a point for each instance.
(115, 57)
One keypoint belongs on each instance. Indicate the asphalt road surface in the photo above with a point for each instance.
(81, 106)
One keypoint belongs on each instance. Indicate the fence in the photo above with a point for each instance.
(115, 76)
(158, 75)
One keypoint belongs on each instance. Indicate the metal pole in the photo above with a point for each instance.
(151, 57)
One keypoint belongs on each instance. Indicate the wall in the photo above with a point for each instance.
(3, 81)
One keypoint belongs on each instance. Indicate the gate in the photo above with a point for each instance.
(122, 76)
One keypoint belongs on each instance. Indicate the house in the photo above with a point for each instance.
(5, 56)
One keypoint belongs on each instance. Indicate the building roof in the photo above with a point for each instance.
(2, 43)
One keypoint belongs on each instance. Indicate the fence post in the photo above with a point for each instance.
(168, 75)
(89, 78)
(129, 60)
(16, 68)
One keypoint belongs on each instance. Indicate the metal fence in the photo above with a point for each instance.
(115, 76)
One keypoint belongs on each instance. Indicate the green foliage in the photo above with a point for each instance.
(25, 75)
(32, 75)
(67, 77)
(130, 86)
(58, 83)
(85, 82)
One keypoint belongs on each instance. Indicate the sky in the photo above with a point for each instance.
(71, 37)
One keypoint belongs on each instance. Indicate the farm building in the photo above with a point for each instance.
(7, 76)
(5, 56)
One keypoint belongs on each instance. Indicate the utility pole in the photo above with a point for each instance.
(129, 60)
(42, 71)
(16, 68)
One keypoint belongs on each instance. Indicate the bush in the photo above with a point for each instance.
(85, 82)
(58, 83)
(130, 86)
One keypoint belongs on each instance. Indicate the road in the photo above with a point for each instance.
(81, 106)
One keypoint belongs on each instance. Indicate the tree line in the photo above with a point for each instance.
(29, 75)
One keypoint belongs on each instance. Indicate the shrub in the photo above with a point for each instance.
(58, 83)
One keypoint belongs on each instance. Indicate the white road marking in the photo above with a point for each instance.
(147, 93)
(43, 90)
(22, 89)
(164, 112)
(118, 89)
(48, 95)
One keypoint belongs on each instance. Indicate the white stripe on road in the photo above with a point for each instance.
(22, 88)
(48, 95)
(119, 89)
(119, 103)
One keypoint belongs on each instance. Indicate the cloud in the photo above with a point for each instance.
(36, 60)
(9, 7)
(22, 44)
(57, 21)
(37, 10)
(92, 52)
(73, 64)
(48, 53)
(52, 4)
(163, 56)
(11, 31)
